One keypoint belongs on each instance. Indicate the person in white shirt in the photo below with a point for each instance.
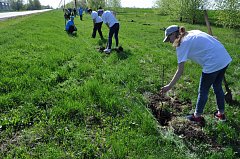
(211, 55)
(97, 23)
(112, 23)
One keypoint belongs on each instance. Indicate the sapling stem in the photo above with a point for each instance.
(162, 84)
(162, 76)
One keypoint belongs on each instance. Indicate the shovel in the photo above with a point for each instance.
(228, 94)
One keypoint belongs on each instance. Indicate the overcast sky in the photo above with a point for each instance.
(125, 3)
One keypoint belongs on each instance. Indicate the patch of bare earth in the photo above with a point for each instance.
(168, 111)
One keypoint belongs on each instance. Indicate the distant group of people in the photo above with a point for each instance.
(108, 17)
(70, 12)
(69, 15)
(99, 17)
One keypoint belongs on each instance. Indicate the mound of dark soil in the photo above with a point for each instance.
(168, 111)
(164, 108)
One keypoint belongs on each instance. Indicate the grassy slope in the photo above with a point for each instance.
(60, 98)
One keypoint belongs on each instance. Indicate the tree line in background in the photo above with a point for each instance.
(30, 5)
(93, 4)
(36, 5)
(227, 11)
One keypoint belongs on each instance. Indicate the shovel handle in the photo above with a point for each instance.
(207, 22)
(226, 84)
(210, 33)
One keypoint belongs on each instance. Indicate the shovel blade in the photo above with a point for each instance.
(228, 97)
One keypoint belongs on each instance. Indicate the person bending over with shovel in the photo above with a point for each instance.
(214, 59)
(97, 23)
(112, 23)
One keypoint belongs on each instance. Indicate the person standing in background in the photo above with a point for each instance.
(80, 12)
(74, 12)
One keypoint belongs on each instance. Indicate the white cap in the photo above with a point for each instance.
(171, 29)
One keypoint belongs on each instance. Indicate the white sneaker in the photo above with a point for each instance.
(107, 51)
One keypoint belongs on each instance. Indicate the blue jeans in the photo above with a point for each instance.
(113, 30)
(206, 81)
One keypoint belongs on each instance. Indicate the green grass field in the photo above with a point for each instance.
(61, 98)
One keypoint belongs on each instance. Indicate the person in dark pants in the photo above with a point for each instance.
(97, 23)
(74, 12)
(80, 12)
(67, 14)
(112, 23)
(211, 55)
(70, 11)
(70, 27)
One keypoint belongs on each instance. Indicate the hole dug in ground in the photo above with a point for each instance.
(170, 112)
(166, 108)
